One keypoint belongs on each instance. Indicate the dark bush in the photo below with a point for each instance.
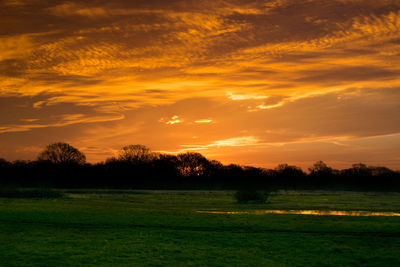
(245, 196)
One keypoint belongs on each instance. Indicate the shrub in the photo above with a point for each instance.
(245, 196)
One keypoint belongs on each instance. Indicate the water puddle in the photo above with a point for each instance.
(306, 212)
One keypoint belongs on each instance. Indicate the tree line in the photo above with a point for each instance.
(60, 165)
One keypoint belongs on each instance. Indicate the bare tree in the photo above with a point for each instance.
(136, 153)
(62, 153)
(192, 164)
(285, 170)
(360, 169)
(320, 168)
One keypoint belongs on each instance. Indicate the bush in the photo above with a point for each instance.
(30, 193)
(245, 196)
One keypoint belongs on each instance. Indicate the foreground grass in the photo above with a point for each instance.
(30, 193)
(163, 228)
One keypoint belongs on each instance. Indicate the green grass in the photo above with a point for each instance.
(160, 228)
(30, 193)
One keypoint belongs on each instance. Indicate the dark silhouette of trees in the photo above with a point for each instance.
(369, 177)
(4, 163)
(381, 171)
(137, 167)
(320, 168)
(321, 174)
(192, 164)
(136, 154)
(289, 176)
(165, 165)
(288, 170)
(62, 153)
(360, 169)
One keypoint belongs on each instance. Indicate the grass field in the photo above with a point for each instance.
(164, 228)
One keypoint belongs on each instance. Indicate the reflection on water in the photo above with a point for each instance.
(306, 212)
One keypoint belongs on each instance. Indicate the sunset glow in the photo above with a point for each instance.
(248, 82)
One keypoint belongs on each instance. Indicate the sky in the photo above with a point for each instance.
(248, 82)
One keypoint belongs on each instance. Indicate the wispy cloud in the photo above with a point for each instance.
(172, 120)
(203, 121)
(270, 106)
(61, 121)
(70, 9)
(229, 142)
(245, 96)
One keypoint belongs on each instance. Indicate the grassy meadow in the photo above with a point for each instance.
(165, 228)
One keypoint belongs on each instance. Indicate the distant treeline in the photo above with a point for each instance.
(136, 167)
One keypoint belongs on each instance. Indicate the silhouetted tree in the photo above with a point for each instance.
(321, 175)
(216, 164)
(167, 160)
(288, 170)
(191, 164)
(136, 154)
(111, 160)
(289, 176)
(62, 153)
(214, 168)
(320, 168)
(361, 169)
(381, 171)
(164, 169)
(234, 173)
(358, 170)
(4, 163)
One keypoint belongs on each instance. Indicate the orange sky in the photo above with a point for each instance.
(249, 82)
